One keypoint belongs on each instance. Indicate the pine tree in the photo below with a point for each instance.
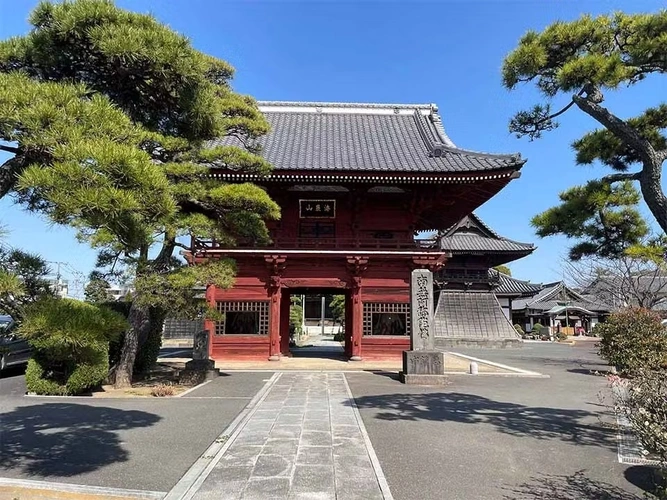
(108, 114)
(578, 62)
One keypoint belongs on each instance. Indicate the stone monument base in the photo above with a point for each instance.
(199, 370)
(423, 368)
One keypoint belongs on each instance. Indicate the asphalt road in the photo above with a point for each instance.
(500, 438)
(478, 438)
(137, 443)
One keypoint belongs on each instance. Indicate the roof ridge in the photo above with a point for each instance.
(484, 225)
(329, 104)
(525, 282)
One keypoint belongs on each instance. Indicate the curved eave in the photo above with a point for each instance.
(474, 251)
(378, 176)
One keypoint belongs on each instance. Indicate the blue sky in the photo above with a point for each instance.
(444, 52)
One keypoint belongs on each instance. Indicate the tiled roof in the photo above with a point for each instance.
(471, 315)
(365, 137)
(470, 234)
(553, 293)
(512, 286)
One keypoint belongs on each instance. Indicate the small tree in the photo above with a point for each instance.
(97, 290)
(22, 281)
(632, 340)
(503, 269)
(642, 400)
(633, 279)
(71, 343)
(296, 313)
(338, 308)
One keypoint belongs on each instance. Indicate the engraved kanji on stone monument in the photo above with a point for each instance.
(422, 310)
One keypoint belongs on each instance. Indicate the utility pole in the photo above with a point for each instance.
(58, 275)
(324, 299)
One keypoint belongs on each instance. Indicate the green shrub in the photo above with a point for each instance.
(537, 328)
(633, 339)
(519, 330)
(37, 382)
(71, 343)
(339, 337)
(67, 380)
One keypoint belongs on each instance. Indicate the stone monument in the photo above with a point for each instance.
(422, 364)
(200, 366)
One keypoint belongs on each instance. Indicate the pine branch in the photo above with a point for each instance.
(613, 123)
(610, 179)
(556, 114)
(9, 149)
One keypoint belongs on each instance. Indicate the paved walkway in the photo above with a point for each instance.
(304, 440)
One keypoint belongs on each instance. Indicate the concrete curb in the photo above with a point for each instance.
(192, 389)
(192, 480)
(379, 474)
(513, 371)
(74, 491)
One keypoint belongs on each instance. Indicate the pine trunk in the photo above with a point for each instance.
(139, 319)
(651, 186)
(9, 173)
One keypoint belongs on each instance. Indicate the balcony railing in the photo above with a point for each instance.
(330, 244)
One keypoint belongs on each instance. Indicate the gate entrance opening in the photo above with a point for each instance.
(317, 326)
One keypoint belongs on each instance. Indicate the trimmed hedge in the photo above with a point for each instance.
(71, 345)
(76, 379)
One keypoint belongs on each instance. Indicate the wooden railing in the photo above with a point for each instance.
(329, 244)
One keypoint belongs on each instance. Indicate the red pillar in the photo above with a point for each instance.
(285, 303)
(274, 319)
(357, 319)
(209, 325)
(348, 325)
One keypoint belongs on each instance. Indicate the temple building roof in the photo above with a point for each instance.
(471, 315)
(553, 295)
(471, 235)
(512, 287)
(349, 137)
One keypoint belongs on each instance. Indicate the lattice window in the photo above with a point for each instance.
(243, 318)
(384, 318)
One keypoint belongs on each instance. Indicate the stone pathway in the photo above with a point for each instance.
(304, 440)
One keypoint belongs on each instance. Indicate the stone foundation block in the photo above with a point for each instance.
(423, 367)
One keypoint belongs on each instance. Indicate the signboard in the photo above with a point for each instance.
(317, 209)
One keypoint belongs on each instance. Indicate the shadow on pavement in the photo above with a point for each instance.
(63, 439)
(509, 418)
(385, 373)
(574, 487)
(645, 477)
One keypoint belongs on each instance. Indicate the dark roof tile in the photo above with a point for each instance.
(471, 315)
(365, 137)
(512, 286)
(470, 234)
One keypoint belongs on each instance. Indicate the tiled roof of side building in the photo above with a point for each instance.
(470, 234)
(554, 293)
(366, 137)
(509, 286)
